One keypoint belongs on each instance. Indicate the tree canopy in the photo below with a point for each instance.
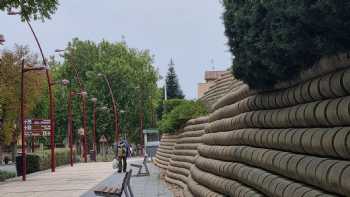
(133, 80)
(182, 111)
(275, 40)
(172, 84)
(36, 9)
(10, 78)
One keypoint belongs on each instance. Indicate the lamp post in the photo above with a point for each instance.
(84, 105)
(94, 100)
(24, 156)
(51, 110)
(122, 112)
(114, 106)
(70, 124)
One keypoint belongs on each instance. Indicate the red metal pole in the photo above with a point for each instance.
(24, 163)
(70, 134)
(94, 130)
(115, 110)
(85, 128)
(142, 123)
(52, 124)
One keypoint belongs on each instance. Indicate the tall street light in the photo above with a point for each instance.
(82, 89)
(95, 109)
(51, 110)
(70, 124)
(114, 106)
(24, 156)
(94, 100)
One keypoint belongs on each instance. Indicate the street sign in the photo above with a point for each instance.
(37, 127)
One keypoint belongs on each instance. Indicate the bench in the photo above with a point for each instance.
(144, 163)
(116, 191)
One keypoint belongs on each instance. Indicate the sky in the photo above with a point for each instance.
(191, 32)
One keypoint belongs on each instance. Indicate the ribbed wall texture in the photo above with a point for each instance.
(293, 142)
(165, 150)
(225, 83)
(290, 142)
(185, 151)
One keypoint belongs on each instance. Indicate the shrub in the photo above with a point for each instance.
(42, 160)
(32, 164)
(6, 175)
(62, 158)
(175, 119)
(170, 104)
(275, 40)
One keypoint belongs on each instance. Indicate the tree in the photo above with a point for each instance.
(275, 40)
(183, 111)
(133, 80)
(172, 83)
(10, 76)
(10, 73)
(36, 9)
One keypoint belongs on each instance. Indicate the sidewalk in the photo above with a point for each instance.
(146, 186)
(75, 181)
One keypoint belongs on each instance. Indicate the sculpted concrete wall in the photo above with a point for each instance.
(165, 150)
(185, 151)
(293, 141)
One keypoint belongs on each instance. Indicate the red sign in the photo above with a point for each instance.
(37, 127)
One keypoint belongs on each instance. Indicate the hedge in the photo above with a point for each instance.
(62, 158)
(42, 160)
(275, 40)
(32, 164)
(174, 120)
(6, 175)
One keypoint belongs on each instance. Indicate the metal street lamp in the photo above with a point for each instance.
(94, 100)
(114, 105)
(24, 156)
(84, 104)
(51, 110)
(70, 124)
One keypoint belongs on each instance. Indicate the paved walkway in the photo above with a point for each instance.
(78, 180)
(146, 186)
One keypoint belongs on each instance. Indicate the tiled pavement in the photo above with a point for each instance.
(146, 186)
(78, 180)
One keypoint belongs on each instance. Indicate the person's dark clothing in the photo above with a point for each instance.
(127, 146)
(122, 164)
(122, 153)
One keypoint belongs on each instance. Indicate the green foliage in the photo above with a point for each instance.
(172, 84)
(62, 158)
(275, 40)
(32, 164)
(133, 81)
(42, 160)
(6, 175)
(10, 78)
(171, 104)
(36, 9)
(177, 117)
